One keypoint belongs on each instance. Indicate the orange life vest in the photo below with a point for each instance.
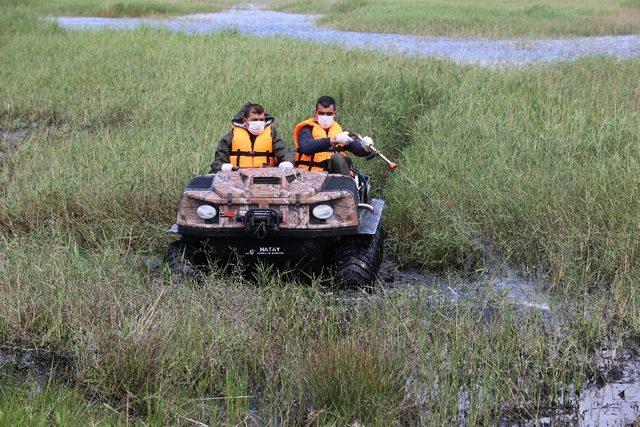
(316, 162)
(247, 154)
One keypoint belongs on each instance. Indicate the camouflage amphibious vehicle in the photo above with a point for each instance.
(280, 215)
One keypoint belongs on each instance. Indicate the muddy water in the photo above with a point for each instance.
(9, 140)
(41, 366)
(611, 398)
(265, 23)
(13, 135)
(505, 284)
(614, 399)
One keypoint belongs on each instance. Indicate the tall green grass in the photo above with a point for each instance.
(230, 349)
(117, 8)
(27, 403)
(494, 18)
(542, 162)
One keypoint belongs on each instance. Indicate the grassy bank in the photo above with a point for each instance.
(542, 162)
(117, 8)
(492, 19)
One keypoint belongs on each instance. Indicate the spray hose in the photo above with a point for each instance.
(463, 229)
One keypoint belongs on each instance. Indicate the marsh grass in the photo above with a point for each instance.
(117, 8)
(206, 352)
(486, 19)
(543, 162)
(550, 150)
(354, 382)
(27, 403)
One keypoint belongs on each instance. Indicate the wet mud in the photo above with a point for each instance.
(42, 366)
(611, 395)
(265, 23)
(9, 141)
(610, 398)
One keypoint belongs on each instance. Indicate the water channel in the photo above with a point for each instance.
(264, 23)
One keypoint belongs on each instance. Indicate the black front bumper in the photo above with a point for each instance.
(316, 253)
(201, 232)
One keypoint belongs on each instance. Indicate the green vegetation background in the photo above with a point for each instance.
(542, 161)
(472, 18)
(455, 18)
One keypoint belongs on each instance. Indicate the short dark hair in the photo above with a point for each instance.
(326, 101)
(252, 108)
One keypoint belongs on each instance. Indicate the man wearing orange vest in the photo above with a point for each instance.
(252, 143)
(321, 144)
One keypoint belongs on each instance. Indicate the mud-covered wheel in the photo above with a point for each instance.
(183, 260)
(358, 258)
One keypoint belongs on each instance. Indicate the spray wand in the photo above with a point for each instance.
(459, 225)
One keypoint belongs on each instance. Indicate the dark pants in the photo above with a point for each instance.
(338, 164)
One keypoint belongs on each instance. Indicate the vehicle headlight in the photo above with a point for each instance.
(206, 211)
(322, 211)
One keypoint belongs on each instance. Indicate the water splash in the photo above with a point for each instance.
(510, 288)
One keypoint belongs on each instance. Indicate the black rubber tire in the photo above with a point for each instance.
(357, 259)
(183, 260)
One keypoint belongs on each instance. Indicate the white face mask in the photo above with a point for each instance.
(256, 127)
(325, 121)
